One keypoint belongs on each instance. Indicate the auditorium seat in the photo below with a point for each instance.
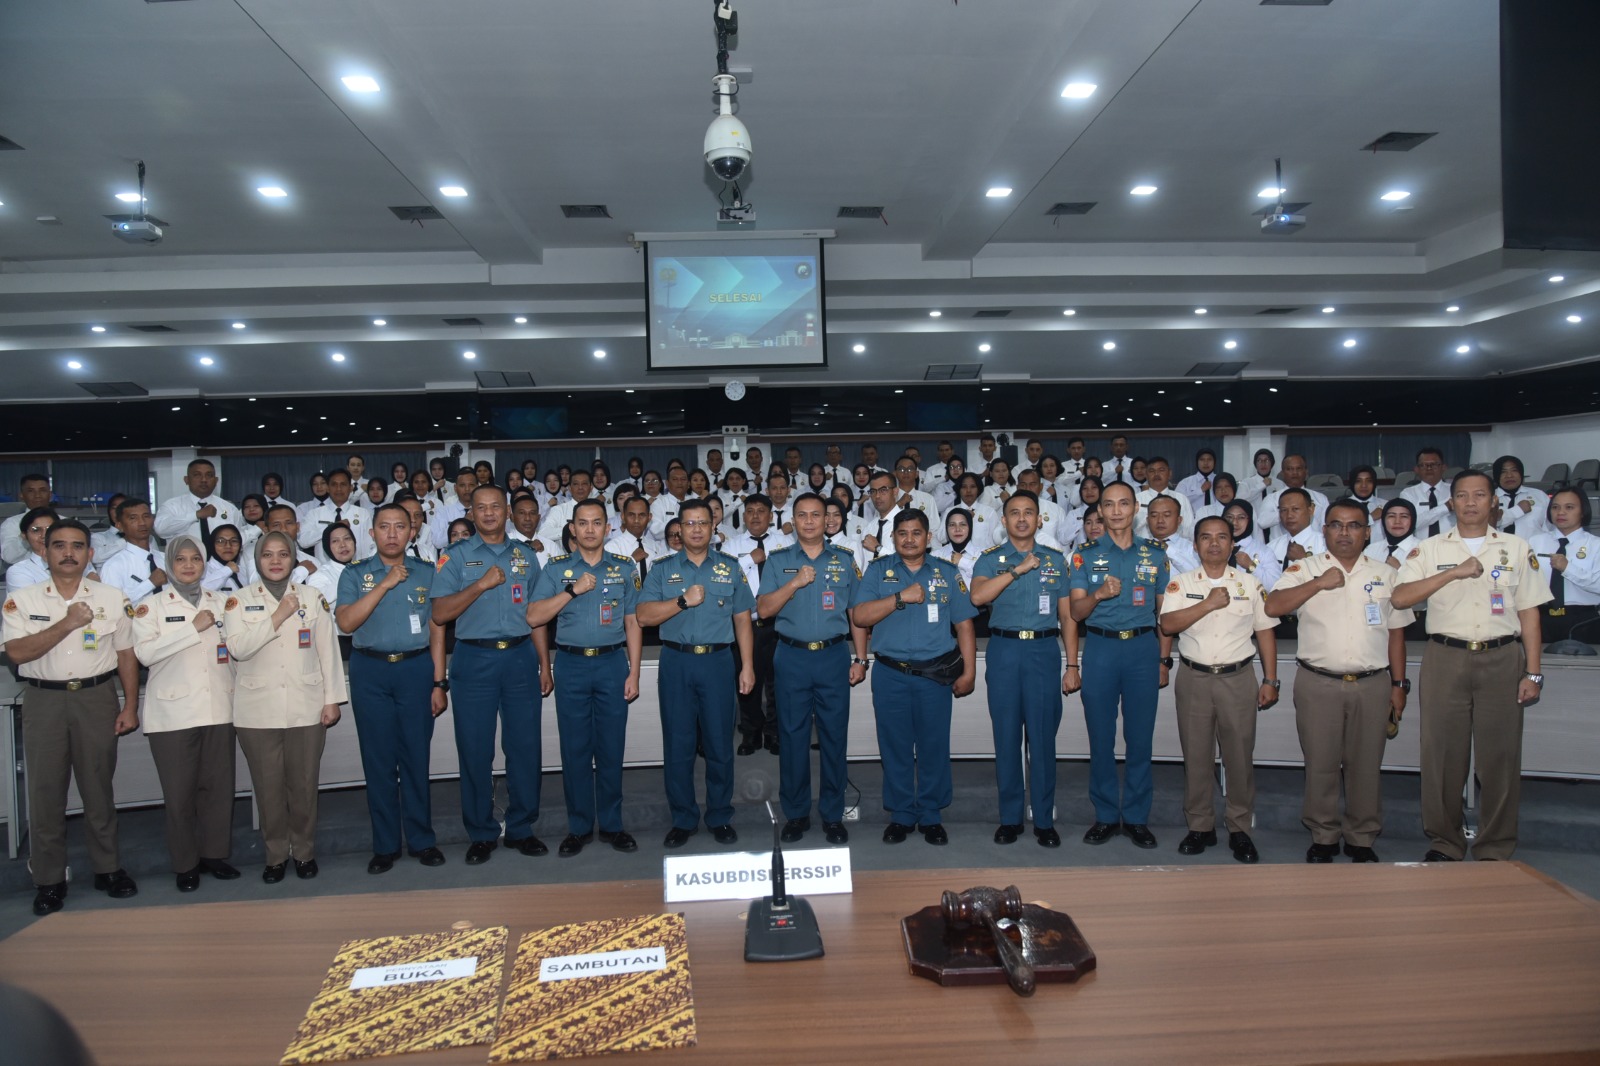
(1404, 478)
(1555, 475)
(1586, 475)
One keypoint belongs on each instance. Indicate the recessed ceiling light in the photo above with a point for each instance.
(898, 391)
(1272, 388)
(858, 348)
(1230, 345)
(1574, 318)
(521, 320)
(206, 360)
(469, 355)
(1142, 190)
(1557, 277)
(1394, 195)
(1453, 308)
(1350, 343)
(337, 357)
(1110, 346)
(177, 408)
(1463, 349)
(1199, 310)
(1328, 310)
(998, 192)
(599, 353)
(1271, 191)
(97, 329)
(128, 197)
(452, 190)
(224, 418)
(271, 192)
(1069, 312)
(1079, 90)
(238, 325)
(983, 347)
(1226, 400)
(380, 322)
(935, 314)
(360, 83)
(73, 364)
(627, 390)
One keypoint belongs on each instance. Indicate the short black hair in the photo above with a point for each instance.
(696, 505)
(281, 507)
(1213, 518)
(1302, 493)
(1430, 450)
(1585, 511)
(1349, 504)
(28, 478)
(1470, 473)
(1024, 494)
(192, 464)
(127, 502)
(911, 514)
(341, 472)
(69, 524)
(589, 502)
(1075, 440)
(757, 498)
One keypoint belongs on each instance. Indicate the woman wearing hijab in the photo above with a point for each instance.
(836, 521)
(985, 520)
(1249, 553)
(338, 551)
(227, 567)
(1523, 508)
(399, 478)
(188, 713)
(1395, 535)
(817, 480)
(944, 493)
(1223, 490)
(290, 682)
(958, 548)
(1094, 527)
(1089, 490)
(253, 509)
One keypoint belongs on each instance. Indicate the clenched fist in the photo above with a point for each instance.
(1217, 599)
(694, 595)
(203, 621)
(1472, 568)
(1330, 579)
(80, 614)
(806, 576)
(493, 577)
(583, 584)
(1109, 589)
(914, 593)
(393, 579)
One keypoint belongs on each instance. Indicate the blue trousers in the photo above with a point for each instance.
(812, 684)
(913, 717)
(699, 700)
(1129, 672)
(1024, 680)
(593, 719)
(490, 685)
(392, 703)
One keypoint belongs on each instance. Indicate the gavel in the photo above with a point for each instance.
(989, 906)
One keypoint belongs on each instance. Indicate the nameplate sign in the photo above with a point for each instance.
(410, 973)
(748, 874)
(602, 964)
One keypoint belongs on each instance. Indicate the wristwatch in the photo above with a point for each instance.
(899, 604)
(1167, 662)
(1404, 685)
(683, 604)
(567, 588)
(1537, 679)
(443, 685)
(1274, 682)
(857, 662)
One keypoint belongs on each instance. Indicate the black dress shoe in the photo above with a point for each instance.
(573, 843)
(189, 880)
(305, 871)
(274, 873)
(1358, 853)
(1007, 833)
(429, 856)
(895, 833)
(836, 833)
(219, 868)
(528, 845)
(677, 838)
(772, 745)
(749, 745)
(49, 898)
(1140, 835)
(1100, 832)
(934, 834)
(1244, 849)
(794, 829)
(116, 884)
(724, 834)
(478, 851)
(619, 841)
(1047, 838)
(1196, 842)
(382, 863)
(1321, 852)
(1437, 856)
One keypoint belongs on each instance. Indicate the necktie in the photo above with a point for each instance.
(643, 563)
(1511, 502)
(152, 557)
(338, 514)
(1558, 580)
(1433, 501)
(1392, 549)
(205, 527)
(1206, 485)
(1119, 471)
(879, 548)
(761, 543)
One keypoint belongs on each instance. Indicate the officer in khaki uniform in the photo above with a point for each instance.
(70, 638)
(1213, 610)
(188, 716)
(1483, 589)
(1351, 680)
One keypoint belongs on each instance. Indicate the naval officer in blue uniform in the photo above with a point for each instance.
(397, 687)
(702, 602)
(1030, 621)
(808, 587)
(483, 586)
(919, 612)
(1117, 582)
(594, 593)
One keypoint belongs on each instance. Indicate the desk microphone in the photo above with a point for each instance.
(780, 927)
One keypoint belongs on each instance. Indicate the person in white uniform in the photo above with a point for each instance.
(1522, 507)
(195, 512)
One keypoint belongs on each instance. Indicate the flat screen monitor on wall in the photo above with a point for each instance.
(719, 305)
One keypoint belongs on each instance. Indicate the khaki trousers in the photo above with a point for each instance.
(67, 736)
(1343, 728)
(1217, 710)
(196, 771)
(1469, 707)
(284, 765)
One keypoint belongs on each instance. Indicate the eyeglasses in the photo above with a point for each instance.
(1347, 527)
(694, 523)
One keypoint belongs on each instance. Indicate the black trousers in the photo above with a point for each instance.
(758, 711)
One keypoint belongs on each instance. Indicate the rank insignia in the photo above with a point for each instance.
(1583, 553)
(567, 574)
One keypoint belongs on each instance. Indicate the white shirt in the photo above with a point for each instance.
(933, 477)
(30, 570)
(446, 512)
(1264, 568)
(303, 509)
(220, 578)
(1141, 524)
(741, 545)
(871, 525)
(922, 501)
(105, 543)
(969, 559)
(1379, 548)
(326, 581)
(1071, 477)
(1254, 489)
(1372, 503)
(1110, 473)
(1194, 488)
(1515, 521)
(987, 529)
(665, 508)
(177, 516)
(1308, 538)
(1057, 529)
(13, 545)
(1267, 513)
(327, 514)
(129, 570)
(1582, 576)
(625, 543)
(1427, 516)
(1181, 556)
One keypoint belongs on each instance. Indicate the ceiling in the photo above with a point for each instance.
(915, 106)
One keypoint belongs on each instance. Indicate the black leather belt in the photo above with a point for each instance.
(391, 656)
(589, 653)
(1225, 668)
(494, 645)
(1119, 634)
(1359, 675)
(1471, 645)
(812, 645)
(1024, 634)
(693, 649)
(762, 623)
(74, 685)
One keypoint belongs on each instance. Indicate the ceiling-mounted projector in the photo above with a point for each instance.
(137, 231)
(1279, 222)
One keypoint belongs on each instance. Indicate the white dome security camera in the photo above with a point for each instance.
(727, 144)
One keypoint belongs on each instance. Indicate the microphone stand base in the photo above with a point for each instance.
(781, 934)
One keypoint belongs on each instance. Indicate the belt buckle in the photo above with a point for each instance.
(1124, 634)
(590, 653)
(1217, 670)
(1558, 612)
(815, 645)
(394, 657)
(74, 685)
(1351, 677)
(1025, 634)
(701, 649)
(501, 645)
(1477, 645)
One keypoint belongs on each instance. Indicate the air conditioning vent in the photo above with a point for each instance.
(153, 329)
(1277, 310)
(953, 372)
(1072, 208)
(424, 213)
(992, 312)
(585, 211)
(504, 379)
(463, 321)
(860, 212)
(113, 388)
(1396, 141)
(1216, 370)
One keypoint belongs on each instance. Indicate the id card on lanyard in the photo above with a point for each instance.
(305, 630)
(222, 645)
(1497, 599)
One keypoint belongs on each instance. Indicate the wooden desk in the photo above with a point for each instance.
(1272, 964)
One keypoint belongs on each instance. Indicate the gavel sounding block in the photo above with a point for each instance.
(955, 955)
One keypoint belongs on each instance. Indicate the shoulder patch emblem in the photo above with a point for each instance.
(1292, 568)
(961, 584)
(1414, 553)
(1533, 561)
(141, 610)
(233, 601)
(443, 558)
(11, 607)
(324, 601)
(1077, 561)
(1172, 587)
(127, 608)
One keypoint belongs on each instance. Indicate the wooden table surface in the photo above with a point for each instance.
(1268, 964)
